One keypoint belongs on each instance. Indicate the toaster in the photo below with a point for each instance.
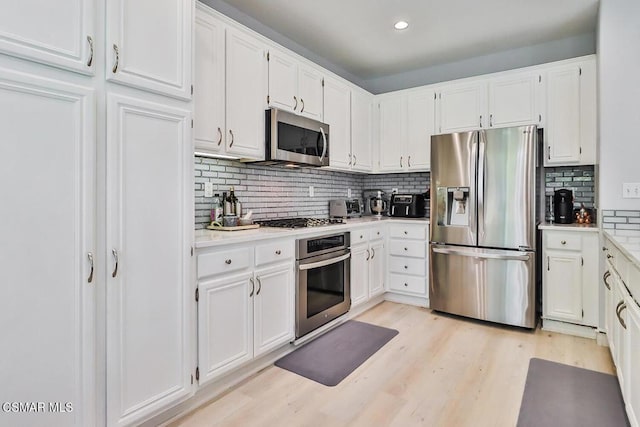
(345, 208)
(407, 205)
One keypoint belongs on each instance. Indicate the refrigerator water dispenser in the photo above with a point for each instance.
(453, 206)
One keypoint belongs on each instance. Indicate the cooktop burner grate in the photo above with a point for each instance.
(299, 222)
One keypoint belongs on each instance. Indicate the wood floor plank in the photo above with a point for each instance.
(440, 370)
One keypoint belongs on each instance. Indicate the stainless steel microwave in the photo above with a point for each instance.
(295, 140)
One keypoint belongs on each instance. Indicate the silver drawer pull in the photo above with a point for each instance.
(406, 249)
(406, 267)
(406, 284)
(406, 232)
(227, 262)
(564, 242)
(278, 252)
(90, 256)
(115, 258)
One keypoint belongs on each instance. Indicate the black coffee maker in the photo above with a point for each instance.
(563, 206)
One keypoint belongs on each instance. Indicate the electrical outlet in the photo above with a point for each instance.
(631, 190)
(312, 193)
(208, 189)
(394, 191)
(348, 192)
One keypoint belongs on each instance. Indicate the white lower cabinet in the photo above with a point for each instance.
(408, 263)
(367, 264)
(245, 305)
(570, 280)
(633, 370)
(47, 258)
(149, 297)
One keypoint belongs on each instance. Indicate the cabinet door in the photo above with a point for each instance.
(620, 338)
(462, 107)
(149, 298)
(562, 135)
(359, 274)
(225, 324)
(337, 114)
(563, 286)
(513, 101)
(420, 126)
(246, 95)
(633, 355)
(53, 33)
(361, 132)
(393, 134)
(149, 45)
(588, 112)
(209, 92)
(273, 320)
(377, 268)
(48, 290)
(283, 81)
(310, 90)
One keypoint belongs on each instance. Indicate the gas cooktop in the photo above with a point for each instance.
(299, 222)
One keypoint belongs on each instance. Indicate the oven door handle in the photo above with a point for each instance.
(323, 263)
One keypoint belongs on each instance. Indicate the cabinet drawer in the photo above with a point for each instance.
(222, 262)
(415, 266)
(377, 234)
(274, 252)
(409, 248)
(561, 240)
(359, 236)
(409, 231)
(403, 283)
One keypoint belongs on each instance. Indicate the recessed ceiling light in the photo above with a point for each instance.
(401, 25)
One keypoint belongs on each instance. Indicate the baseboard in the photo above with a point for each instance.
(407, 299)
(569, 329)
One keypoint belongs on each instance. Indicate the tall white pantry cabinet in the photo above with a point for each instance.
(96, 186)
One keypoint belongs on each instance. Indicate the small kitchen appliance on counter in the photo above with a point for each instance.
(407, 205)
(563, 206)
(345, 208)
(375, 202)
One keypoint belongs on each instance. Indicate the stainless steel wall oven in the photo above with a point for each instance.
(323, 287)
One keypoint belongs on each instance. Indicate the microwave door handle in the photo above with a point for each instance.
(324, 144)
(324, 263)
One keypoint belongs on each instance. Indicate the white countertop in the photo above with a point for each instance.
(209, 238)
(628, 241)
(568, 227)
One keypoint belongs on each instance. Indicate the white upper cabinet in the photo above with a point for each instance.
(149, 292)
(50, 269)
(209, 126)
(570, 129)
(148, 45)
(293, 86)
(462, 107)
(246, 94)
(337, 114)
(57, 33)
(514, 100)
(406, 126)
(361, 131)
(230, 88)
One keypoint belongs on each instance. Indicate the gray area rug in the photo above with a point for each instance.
(332, 357)
(563, 395)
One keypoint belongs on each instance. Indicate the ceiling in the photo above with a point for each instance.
(358, 35)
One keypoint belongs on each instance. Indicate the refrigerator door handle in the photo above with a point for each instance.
(481, 179)
(484, 255)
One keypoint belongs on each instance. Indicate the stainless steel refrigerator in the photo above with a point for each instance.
(484, 216)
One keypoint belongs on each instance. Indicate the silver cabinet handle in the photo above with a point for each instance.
(253, 287)
(368, 255)
(231, 133)
(619, 311)
(490, 120)
(409, 161)
(373, 253)
(115, 259)
(90, 257)
(302, 101)
(90, 60)
(324, 144)
(219, 136)
(480, 120)
(117, 61)
(355, 159)
(564, 242)
(549, 152)
(295, 106)
(228, 261)
(604, 249)
(609, 256)
(400, 161)
(349, 155)
(278, 252)
(324, 263)
(606, 275)
(259, 286)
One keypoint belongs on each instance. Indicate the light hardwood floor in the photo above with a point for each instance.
(438, 371)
